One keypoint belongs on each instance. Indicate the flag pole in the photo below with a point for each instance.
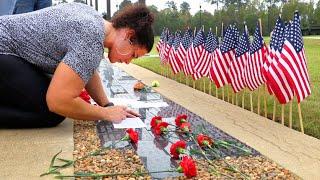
(204, 84)
(162, 69)
(260, 24)
(194, 35)
(290, 115)
(259, 100)
(251, 102)
(265, 92)
(222, 88)
(210, 87)
(228, 93)
(168, 71)
(210, 82)
(282, 114)
(194, 83)
(265, 101)
(186, 79)
(217, 92)
(300, 118)
(204, 81)
(274, 110)
(236, 99)
(232, 97)
(243, 99)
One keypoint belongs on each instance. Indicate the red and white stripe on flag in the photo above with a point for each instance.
(278, 82)
(165, 53)
(204, 63)
(159, 44)
(236, 72)
(173, 61)
(220, 67)
(238, 65)
(253, 73)
(194, 53)
(193, 56)
(294, 66)
(181, 55)
(293, 60)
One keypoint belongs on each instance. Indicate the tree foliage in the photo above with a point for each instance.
(234, 12)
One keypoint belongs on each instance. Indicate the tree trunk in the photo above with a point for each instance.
(109, 9)
(96, 3)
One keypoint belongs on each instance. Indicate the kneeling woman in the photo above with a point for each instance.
(66, 41)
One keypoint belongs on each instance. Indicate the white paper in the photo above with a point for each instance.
(130, 123)
(143, 104)
(134, 103)
(122, 101)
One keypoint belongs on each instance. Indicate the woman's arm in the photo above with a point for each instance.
(96, 91)
(63, 98)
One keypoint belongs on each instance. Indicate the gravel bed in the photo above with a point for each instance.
(112, 161)
(127, 161)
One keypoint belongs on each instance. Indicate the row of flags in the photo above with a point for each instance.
(237, 61)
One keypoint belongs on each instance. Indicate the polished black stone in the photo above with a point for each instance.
(154, 150)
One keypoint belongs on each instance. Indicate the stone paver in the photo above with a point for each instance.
(291, 149)
(26, 153)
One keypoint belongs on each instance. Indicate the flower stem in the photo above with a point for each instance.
(173, 125)
(203, 153)
(215, 171)
(234, 169)
(226, 144)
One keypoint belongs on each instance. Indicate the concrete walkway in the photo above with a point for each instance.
(289, 148)
(26, 153)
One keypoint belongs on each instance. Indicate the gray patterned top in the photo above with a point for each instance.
(71, 33)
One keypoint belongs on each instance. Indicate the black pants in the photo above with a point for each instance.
(23, 90)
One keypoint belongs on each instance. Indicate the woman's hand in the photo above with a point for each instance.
(117, 114)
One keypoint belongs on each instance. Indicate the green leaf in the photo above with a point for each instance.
(54, 158)
(65, 160)
(52, 170)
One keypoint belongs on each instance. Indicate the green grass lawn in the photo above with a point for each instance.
(310, 106)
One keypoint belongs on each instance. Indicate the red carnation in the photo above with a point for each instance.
(181, 119)
(204, 140)
(133, 135)
(188, 167)
(155, 121)
(178, 148)
(185, 127)
(161, 128)
(85, 96)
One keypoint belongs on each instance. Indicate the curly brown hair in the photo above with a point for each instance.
(138, 18)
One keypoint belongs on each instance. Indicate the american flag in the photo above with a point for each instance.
(237, 66)
(276, 79)
(253, 74)
(205, 61)
(277, 31)
(174, 63)
(224, 55)
(183, 47)
(194, 52)
(164, 52)
(159, 44)
(293, 61)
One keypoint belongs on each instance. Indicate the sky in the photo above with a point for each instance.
(161, 4)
